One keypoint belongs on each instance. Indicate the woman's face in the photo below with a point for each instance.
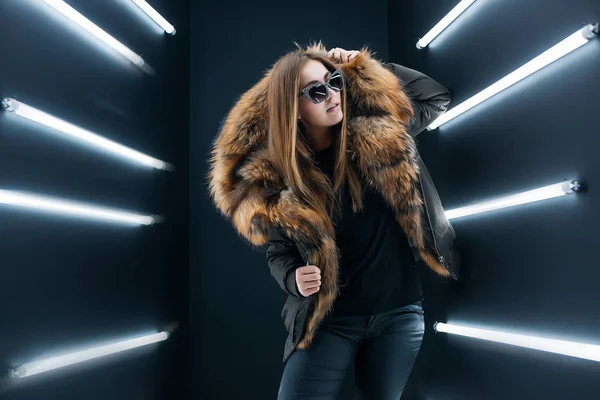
(316, 115)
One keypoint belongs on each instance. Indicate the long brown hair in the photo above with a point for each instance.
(289, 149)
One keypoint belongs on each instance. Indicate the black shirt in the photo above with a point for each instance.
(377, 270)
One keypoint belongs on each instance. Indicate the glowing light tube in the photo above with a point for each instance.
(571, 43)
(567, 348)
(48, 364)
(443, 24)
(152, 13)
(546, 192)
(53, 205)
(25, 111)
(93, 29)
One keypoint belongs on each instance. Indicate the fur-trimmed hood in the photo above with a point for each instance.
(249, 191)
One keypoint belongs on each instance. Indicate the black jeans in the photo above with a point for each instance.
(382, 348)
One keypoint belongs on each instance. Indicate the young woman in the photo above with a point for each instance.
(318, 162)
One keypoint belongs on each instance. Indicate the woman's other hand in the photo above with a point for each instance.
(340, 55)
(308, 279)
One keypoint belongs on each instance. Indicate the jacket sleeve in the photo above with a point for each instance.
(429, 98)
(283, 258)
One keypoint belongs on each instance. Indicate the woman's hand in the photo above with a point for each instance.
(340, 55)
(308, 279)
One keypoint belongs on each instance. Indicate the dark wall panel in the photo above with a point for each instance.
(67, 283)
(533, 268)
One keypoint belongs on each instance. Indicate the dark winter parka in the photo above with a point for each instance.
(388, 105)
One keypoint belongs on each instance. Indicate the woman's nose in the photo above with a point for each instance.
(329, 92)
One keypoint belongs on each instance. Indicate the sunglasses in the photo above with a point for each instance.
(317, 92)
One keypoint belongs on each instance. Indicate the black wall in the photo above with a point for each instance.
(532, 269)
(67, 283)
(235, 304)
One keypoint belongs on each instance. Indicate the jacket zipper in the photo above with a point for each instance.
(302, 330)
(441, 258)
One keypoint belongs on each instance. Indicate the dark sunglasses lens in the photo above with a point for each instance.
(318, 93)
(337, 82)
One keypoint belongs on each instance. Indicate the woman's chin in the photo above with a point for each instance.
(337, 118)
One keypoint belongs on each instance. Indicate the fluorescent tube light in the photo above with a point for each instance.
(573, 349)
(92, 28)
(152, 13)
(48, 364)
(443, 24)
(43, 203)
(25, 111)
(546, 192)
(571, 43)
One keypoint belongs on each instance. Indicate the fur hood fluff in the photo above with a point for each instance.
(249, 191)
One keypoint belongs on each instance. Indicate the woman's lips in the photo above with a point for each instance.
(333, 108)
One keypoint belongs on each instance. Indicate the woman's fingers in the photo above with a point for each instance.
(314, 290)
(311, 292)
(308, 269)
(340, 55)
(312, 285)
(312, 277)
